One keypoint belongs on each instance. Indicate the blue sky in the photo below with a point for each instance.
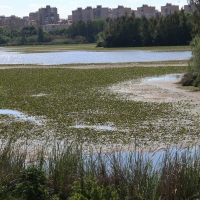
(23, 7)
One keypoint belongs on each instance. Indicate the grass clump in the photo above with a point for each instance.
(67, 173)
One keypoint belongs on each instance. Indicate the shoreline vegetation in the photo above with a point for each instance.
(67, 174)
(89, 47)
(101, 65)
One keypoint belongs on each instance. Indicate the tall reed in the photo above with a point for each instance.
(71, 174)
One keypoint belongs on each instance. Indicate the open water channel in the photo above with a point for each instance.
(78, 57)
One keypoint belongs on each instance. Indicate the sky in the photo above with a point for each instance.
(22, 8)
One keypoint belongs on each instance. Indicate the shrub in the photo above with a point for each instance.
(32, 185)
(192, 78)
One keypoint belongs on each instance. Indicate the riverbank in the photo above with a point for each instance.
(89, 47)
(175, 63)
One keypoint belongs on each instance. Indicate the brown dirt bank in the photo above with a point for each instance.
(104, 65)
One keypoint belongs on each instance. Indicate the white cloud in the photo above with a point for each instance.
(36, 6)
(134, 1)
(5, 7)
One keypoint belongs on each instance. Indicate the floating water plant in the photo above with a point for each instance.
(81, 95)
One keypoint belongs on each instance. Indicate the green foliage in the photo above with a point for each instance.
(32, 185)
(40, 35)
(193, 75)
(174, 176)
(3, 40)
(2, 97)
(89, 29)
(90, 190)
(125, 31)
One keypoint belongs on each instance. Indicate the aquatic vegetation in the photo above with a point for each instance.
(64, 98)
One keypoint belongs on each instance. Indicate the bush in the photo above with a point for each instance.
(188, 79)
(32, 185)
(192, 78)
(90, 189)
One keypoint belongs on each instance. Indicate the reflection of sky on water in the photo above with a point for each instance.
(18, 114)
(56, 58)
(103, 127)
(170, 77)
(156, 158)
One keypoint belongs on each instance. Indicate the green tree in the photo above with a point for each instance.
(193, 75)
(23, 37)
(40, 35)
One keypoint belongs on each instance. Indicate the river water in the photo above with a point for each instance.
(78, 57)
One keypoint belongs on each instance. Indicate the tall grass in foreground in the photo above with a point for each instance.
(67, 173)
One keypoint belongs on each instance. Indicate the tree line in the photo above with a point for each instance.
(170, 30)
(80, 32)
(125, 31)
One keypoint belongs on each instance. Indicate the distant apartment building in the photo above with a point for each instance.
(32, 23)
(101, 13)
(120, 11)
(62, 21)
(87, 14)
(12, 22)
(190, 8)
(147, 11)
(2, 21)
(34, 16)
(48, 15)
(90, 13)
(69, 20)
(169, 9)
(26, 20)
(77, 15)
(52, 27)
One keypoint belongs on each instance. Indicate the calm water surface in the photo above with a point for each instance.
(169, 77)
(57, 58)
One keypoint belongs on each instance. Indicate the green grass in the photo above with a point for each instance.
(88, 47)
(68, 174)
(81, 96)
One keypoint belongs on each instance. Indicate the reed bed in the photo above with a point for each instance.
(68, 173)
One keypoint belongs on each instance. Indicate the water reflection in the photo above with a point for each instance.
(170, 77)
(101, 128)
(154, 158)
(19, 115)
(57, 58)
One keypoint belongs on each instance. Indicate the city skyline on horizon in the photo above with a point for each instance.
(65, 9)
